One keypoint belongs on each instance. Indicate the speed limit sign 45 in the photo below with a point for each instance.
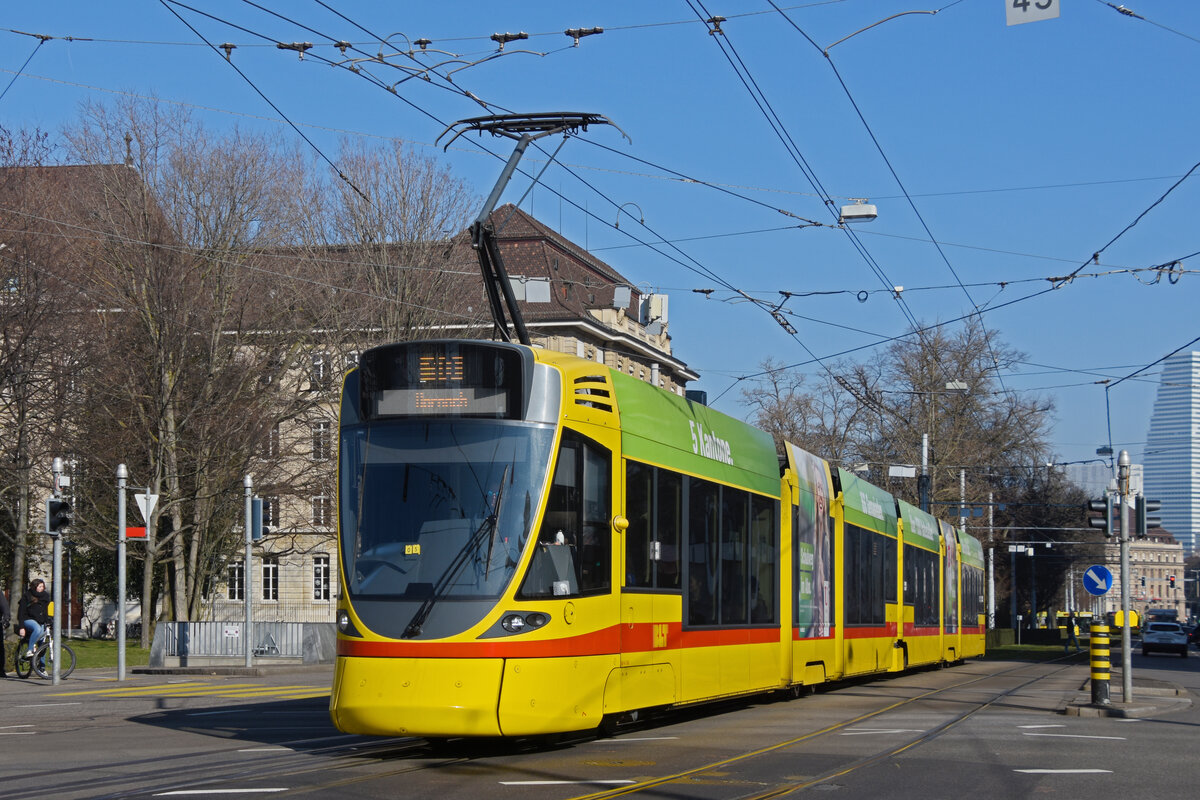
(1018, 11)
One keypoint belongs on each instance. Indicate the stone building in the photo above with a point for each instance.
(572, 303)
(1154, 564)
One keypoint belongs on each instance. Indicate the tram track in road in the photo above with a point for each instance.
(265, 765)
(359, 768)
(328, 766)
(840, 728)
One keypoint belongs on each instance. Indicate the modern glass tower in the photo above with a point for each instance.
(1172, 460)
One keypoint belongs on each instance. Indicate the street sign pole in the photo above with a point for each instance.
(1126, 639)
(122, 480)
(56, 625)
(247, 581)
(1097, 580)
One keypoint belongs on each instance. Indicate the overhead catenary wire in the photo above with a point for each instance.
(38, 46)
(861, 233)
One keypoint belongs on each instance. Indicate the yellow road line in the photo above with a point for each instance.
(129, 689)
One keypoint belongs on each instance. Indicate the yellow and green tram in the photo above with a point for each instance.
(533, 543)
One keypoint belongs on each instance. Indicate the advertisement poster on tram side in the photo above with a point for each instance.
(951, 577)
(813, 543)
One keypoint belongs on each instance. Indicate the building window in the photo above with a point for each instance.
(321, 511)
(271, 445)
(321, 577)
(321, 449)
(321, 371)
(235, 581)
(270, 578)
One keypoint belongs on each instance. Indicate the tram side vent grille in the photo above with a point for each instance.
(593, 391)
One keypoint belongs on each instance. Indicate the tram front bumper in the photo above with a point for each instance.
(417, 696)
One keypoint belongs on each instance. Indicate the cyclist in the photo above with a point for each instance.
(33, 613)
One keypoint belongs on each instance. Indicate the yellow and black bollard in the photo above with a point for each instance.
(1101, 664)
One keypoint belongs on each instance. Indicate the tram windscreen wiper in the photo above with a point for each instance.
(487, 528)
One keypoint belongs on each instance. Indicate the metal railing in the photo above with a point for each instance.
(311, 642)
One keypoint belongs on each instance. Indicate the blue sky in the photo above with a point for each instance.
(1020, 151)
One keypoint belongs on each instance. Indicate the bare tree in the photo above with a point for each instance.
(825, 420)
(386, 228)
(179, 226)
(38, 305)
(944, 385)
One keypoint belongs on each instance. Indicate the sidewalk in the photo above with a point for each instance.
(1150, 698)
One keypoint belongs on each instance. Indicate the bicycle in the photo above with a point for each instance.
(42, 660)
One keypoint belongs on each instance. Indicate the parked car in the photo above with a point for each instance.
(1194, 636)
(1165, 636)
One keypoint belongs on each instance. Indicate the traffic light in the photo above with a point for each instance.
(1143, 580)
(256, 519)
(1105, 509)
(1172, 580)
(58, 516)
(1144, 521)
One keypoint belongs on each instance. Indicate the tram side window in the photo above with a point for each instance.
(762, 560)
(735, 509)
(731, 546)
(972, 601)
(870, 559)
(639, 538)
(574, 550)
(654, 506)
(921, 585)
(595, 548)
(668, 505)
(890, 565)
(703, 554)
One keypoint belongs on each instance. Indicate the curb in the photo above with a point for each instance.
(1162, 700)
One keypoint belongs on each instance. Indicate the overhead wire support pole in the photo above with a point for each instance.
(524, 129)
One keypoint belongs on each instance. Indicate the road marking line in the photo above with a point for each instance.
(17, 733)
(1041, 726)
(1064, 771)
(132, 690)
(267, 750)
(222, 791)
(6, 727)
(868, 731)
(635, 739)
(50, 705)
(566, 783)
(1076, 736)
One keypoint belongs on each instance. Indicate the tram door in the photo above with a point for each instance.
(650, 598)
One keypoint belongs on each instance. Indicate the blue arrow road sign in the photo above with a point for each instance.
(1097, 580)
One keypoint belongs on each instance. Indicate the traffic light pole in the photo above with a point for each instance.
(1126, 654)
(247, 581)
(56, 622)
(122, 481)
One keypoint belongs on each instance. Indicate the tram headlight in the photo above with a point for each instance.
(519, 622)
(344, 625)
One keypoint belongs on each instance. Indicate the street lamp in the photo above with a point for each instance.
(869, 401)
(923, 483)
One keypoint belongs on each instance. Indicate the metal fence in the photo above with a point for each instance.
(310, 642)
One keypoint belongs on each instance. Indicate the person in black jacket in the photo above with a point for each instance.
(4, 611)
(33, 613)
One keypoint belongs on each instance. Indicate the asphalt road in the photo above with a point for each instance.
(981, 729)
